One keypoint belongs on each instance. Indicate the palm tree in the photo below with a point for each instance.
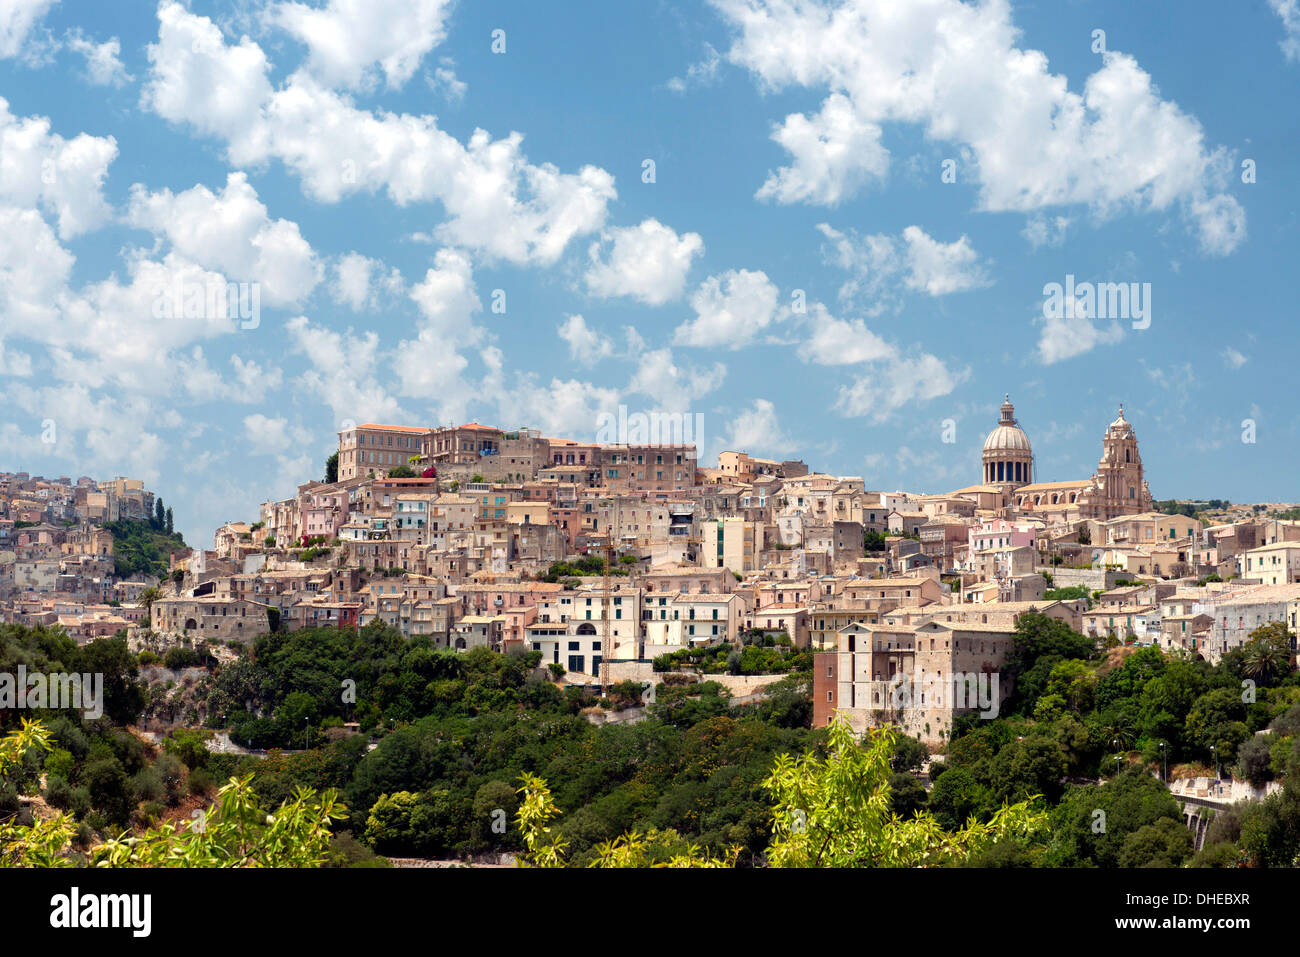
(1264, 660)
(147, 598)
(1119, 733)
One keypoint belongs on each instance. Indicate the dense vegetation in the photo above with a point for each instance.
(1080, 747)
(142, 548)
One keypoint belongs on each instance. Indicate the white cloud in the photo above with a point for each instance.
(103, 64)
(343, 373)
(731, 310)
(63, 177)
(895, 384)
(497, 201)
(102, 434)
(671, 385)
(757, 430)
(834, 155)
(444, 81)
(1045, 230)
(586, 345)
(196, 78)
(1232, 358)
(886, 378)
(1289, 11)
(954, 69)
(232, 232)
(13, 363)
(430, 365)
(347, 39)
(34, 271)
(702, 73)
(1064, 338)
(877, 263)
(648, 262)
(17, 17)
(841, 341)
(267, 435)
(358, 281)
(562, 407)
(113, 332)
(941, 268)
(254, 381)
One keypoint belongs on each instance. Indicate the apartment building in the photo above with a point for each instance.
(377, 449)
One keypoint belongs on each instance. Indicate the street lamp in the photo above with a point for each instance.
(1216, 762)
(1164, 767)
(1118, 755)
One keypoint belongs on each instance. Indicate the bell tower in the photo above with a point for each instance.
(1123, 488)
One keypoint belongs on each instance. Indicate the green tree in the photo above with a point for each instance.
(332, 469)
(1266, 655)
(1166, 843)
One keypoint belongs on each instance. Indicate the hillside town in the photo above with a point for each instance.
(607, 557)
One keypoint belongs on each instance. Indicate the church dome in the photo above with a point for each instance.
(1008, 459)
(1007, 436)
(1120, 422)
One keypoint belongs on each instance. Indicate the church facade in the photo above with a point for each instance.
(1117, 488)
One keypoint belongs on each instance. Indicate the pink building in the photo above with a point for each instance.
(1001, 534)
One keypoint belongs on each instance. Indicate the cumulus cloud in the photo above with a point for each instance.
(59, 176)
(430, 366)
(348, 40)
(757, 430)
(1064, 338)
(359, 281)
(100, 434)
(648, 262)
(955, 69)
(104, 66)
(835, 342)
(344, 372)
(586, 345)
(560, 407)
(1289, 11)
(659, 377)
(887, 378)
(497, 201)
(895, 384)
(231, 231)
(268, 434)
(731, 310)
(17, 17)
(1045, 230)
(879, 265)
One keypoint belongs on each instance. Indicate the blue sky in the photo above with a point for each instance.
(797, 271)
